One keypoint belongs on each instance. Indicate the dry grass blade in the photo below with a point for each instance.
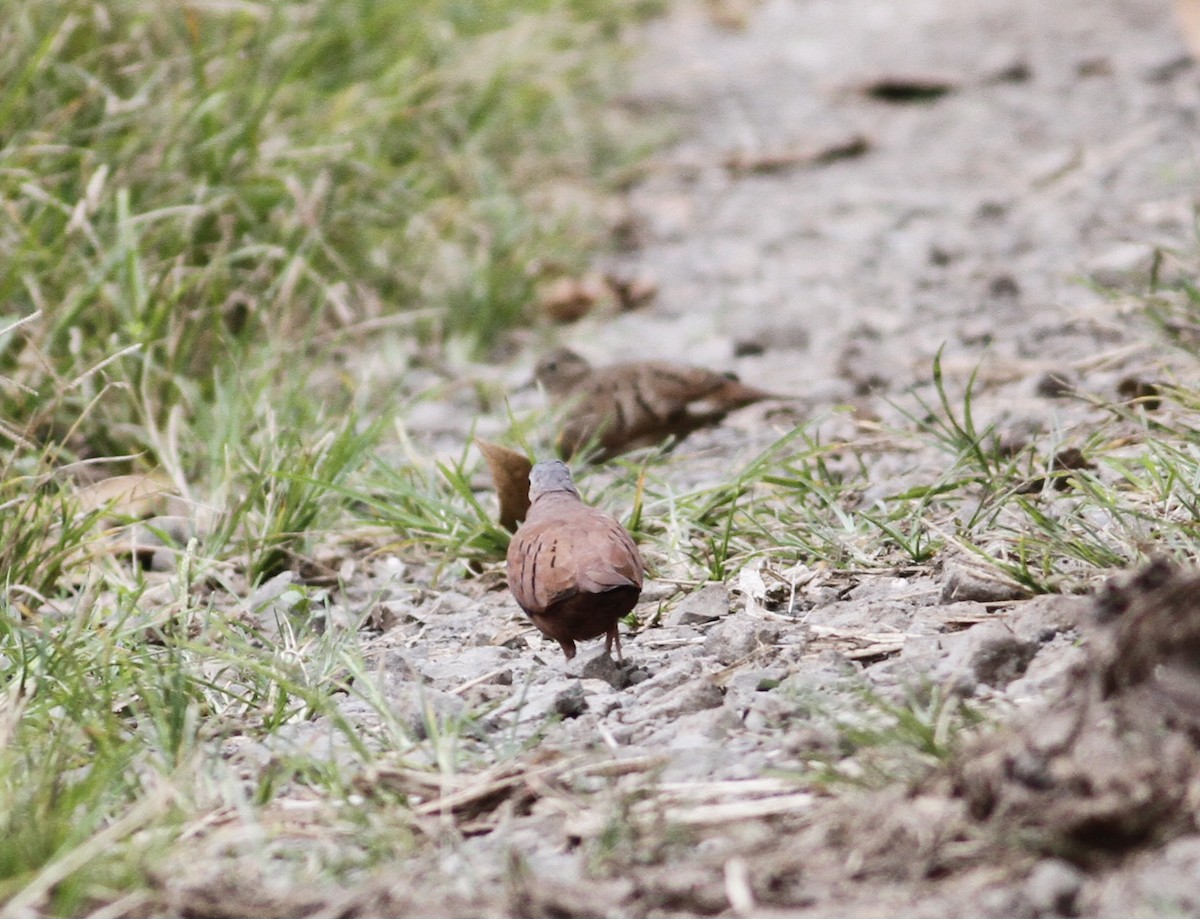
(701, 804)
(130, 496)
(710, 803)
(771, 161)
(469, 797)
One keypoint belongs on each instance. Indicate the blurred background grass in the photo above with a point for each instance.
(210, 212)
(201, 192)
(207, 210)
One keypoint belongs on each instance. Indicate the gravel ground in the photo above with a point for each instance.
(820, 231)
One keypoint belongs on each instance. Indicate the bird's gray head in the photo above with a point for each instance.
(561, 370)
(548, 476)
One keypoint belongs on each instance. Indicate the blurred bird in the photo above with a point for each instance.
(638, 403)
(573, 569)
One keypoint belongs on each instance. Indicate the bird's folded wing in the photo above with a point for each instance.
(556, 566)
(679, 387)
(540, 570)
(612, 559)
(673, 386)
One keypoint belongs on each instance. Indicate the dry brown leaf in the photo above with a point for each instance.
(904, 88)
(632, 293)
(1188, 14)
(570, 299)
(510, 473)
(769, 161)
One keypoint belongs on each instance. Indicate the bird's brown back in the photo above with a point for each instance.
(564, 548)
(641, 403)
(663, 388)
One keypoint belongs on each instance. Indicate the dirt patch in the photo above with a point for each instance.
(1111, 765)
(1022, 820)
(1042, 817)
(856, 187)
(1000, 180)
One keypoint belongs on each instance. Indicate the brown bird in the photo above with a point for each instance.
(639, 403)
(574, 570)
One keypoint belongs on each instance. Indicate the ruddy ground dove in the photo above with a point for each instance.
(573, 569)
(638, 403)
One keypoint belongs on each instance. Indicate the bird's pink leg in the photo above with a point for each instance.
(568, 647)
(614, 637)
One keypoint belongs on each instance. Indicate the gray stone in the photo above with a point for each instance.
(697, 730)
(572, 701)
(531, 704)
(1004, 903)
(964, 583)
(707, 604)
(667, 679)
(826, 675)
(693, 696)
(598, 664)
(752, 681)
(271, 590)
(768, 712)
(468, 663)
(1043, 618)
(738, 637)
(420, 708)
(744, 691)
(1170, 879)
(601, 697)
(320, 740)
(1053, 887)
(989, 654)
(654, 591)
(453, 602)
(1122, 264)
(1047, 674)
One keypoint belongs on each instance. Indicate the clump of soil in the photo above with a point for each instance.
(1049, 813)
(1113, 763)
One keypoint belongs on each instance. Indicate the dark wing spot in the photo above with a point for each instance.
(622, 424)
(531, 581)
(644, 405)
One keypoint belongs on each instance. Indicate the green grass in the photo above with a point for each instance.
(1050, 527)
(187, 188)
(436, 513)
(239, 240)
(211, 213)
(884, 742)
(110, 720)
